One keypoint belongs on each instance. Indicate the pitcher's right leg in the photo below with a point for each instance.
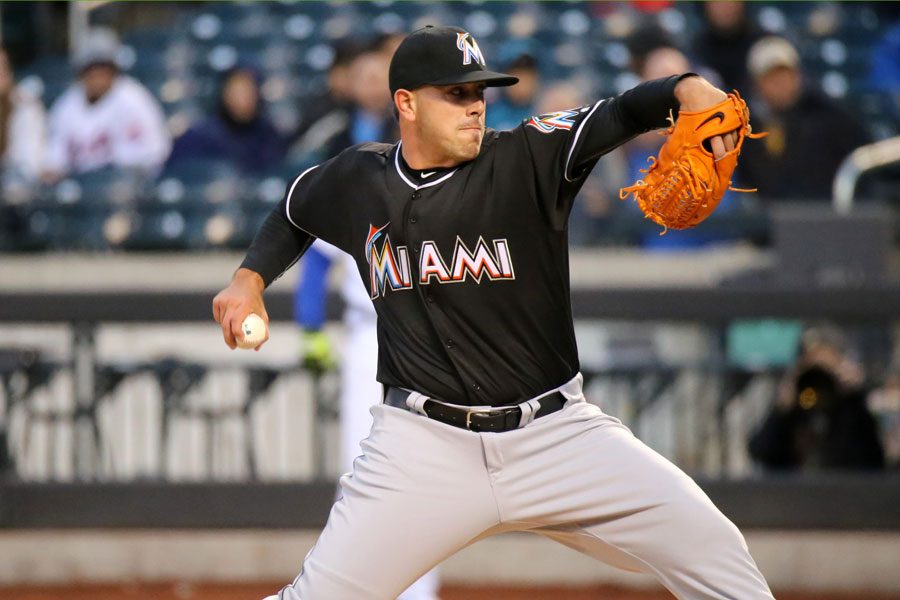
(419, 493)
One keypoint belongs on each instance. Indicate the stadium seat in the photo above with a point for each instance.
(291, 44)
(157, 227)
(71, 214)
(50, 77)
(198, 170)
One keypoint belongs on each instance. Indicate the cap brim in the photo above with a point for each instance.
(490, 78)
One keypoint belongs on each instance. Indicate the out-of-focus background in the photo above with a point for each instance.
(142, 144)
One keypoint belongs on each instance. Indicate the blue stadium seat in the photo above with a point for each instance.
(69, 227)
(226, 228)
(198, 170)
(72, 214)
(256, 25)
(200, 182)
(148, 40)
(248, 47)
(157, 227)
(281, 55)
(52, 76)
(291, 44)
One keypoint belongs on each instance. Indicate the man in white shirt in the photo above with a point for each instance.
(104, 118)
(22, 126)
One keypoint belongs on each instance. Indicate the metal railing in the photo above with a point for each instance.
(81, 420)
(856, 164)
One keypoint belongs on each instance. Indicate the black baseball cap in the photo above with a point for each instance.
(441, 56)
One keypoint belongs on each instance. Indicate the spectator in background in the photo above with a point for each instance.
(387, 43)
(517, 102)
(809, 134)
(820, 418)
(105, 119)
(884, 75)
(724, 42)
(238, 132)
(21, 146)
(368, 116)
(22, 124)
(327, 114)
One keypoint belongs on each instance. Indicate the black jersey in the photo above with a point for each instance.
(468, 267)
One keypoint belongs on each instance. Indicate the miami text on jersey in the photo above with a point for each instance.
(389, 266)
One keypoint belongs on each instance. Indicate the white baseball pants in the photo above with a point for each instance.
(423, 490)
(359, 392)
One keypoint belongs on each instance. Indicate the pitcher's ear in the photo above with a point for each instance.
(405, 105)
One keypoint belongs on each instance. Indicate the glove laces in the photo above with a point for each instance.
(673, 196)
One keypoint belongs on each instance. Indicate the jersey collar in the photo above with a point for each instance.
(432, 176)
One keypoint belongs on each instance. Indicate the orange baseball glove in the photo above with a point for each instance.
(685, 184)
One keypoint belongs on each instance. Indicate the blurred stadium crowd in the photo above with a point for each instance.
(181, 132)
(177, 126)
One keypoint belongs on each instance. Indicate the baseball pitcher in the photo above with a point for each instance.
(459, 235)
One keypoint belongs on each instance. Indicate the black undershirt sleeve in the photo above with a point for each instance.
(276, 247)
(642, 108)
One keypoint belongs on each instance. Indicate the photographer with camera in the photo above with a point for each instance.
(820, 419)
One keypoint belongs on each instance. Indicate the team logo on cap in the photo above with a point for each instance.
(550, 122)
(469, 47)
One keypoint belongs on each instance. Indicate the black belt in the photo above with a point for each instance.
(502, 418)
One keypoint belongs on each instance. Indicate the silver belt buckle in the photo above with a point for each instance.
(469, 414)
(493, 411)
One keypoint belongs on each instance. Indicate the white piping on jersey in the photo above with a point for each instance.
(575, 139)
(410, 183)
(287, 202)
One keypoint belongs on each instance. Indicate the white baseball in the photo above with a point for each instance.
(254, 332)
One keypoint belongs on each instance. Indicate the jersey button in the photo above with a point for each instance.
(429, 299)
(476, 387)
(416, 195)
(451, 344)
(413, 220)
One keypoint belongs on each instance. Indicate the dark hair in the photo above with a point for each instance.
(382, 39)
(346, 50)
(240, 69)
(522, 62)
(645, 40)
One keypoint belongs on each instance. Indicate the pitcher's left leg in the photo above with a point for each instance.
(584, 480)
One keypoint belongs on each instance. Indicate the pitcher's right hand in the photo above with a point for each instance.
(232, 305)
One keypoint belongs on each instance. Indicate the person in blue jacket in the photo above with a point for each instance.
(237, 132)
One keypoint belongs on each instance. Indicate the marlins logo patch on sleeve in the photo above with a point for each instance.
(561, 119)
(552, 121)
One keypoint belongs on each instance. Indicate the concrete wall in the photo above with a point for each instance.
(808, 561)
